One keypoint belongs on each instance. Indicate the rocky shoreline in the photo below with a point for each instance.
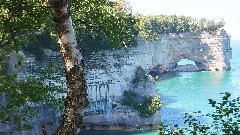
(187, 68)
(119, 127)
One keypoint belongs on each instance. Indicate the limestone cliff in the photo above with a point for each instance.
(111, 72)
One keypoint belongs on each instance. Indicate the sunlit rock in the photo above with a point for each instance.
(111, 72)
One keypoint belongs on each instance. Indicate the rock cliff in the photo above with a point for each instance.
(110, 72)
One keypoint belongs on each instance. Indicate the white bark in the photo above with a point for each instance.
(76, 83)
(70, 38)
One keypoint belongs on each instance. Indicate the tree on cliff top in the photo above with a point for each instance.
(153, 26)
(21, 20)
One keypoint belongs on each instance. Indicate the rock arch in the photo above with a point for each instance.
(209, 52)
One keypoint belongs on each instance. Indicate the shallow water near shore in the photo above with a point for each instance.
(189, 92)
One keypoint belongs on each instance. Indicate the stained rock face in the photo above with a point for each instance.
(112, 72)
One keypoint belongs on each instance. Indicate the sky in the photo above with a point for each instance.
(229, 10)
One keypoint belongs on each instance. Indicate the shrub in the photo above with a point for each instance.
(146, 107)
(140, 76)
(157, 78)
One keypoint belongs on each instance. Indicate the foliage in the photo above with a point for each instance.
(146, 107)
(18, 21)
(41, 89)
(152, 26)
(92, 37)
(38, 43)
(224, 120)
(140, 76)
(104, 21)
(28, 24)
(156, 78)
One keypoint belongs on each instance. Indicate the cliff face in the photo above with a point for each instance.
(109, 73)
(112, 73)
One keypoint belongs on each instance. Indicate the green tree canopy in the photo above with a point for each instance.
(153, 26)
(22, 23)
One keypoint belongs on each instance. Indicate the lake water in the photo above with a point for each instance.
(190, 91)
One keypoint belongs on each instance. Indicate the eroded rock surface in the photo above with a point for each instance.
(111, 72)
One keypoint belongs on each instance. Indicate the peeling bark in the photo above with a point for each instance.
(76, 98)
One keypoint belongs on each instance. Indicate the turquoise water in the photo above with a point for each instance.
(185, 61)
(190, 91)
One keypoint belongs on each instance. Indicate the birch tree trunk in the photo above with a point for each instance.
(76, 84)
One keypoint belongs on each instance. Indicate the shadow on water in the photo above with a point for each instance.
(164, 76)
(171, 116)
(170, 75)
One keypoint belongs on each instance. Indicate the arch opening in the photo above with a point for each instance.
(186, 62)
(187, 65)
